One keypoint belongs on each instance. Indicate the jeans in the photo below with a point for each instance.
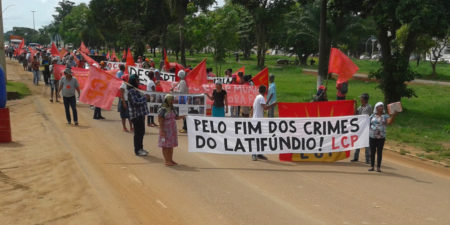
(71, 102)
(35, 77)
(356, 154)
(271, 112)
(139, 131)
(97, 113)
(150, 119)
(234, 111)
(376, 145)
(184, 124)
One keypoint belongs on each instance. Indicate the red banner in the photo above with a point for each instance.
(316, 109)
(58, 71)
(81, 75)
(101, 88)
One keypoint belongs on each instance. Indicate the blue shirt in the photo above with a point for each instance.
(272, 92)
(378, 126)
(119, 74)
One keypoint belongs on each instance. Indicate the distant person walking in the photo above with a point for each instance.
(68, 85)
(168, 138)
(364, 109)
(377, 132)
(54, 82)
(35, 68)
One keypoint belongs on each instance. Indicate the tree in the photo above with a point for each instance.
(62, 10)
(436, 51)
(263, 13)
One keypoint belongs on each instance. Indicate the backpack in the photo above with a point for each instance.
(344, 88)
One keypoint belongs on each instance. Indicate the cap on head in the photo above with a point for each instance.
(181, 74)
(68, 71)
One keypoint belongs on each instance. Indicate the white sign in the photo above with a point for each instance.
(277, 135)
(115, 65)
(223, 80)
(141, 72)
(184, 104)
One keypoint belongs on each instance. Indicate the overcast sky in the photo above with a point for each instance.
(17, 13)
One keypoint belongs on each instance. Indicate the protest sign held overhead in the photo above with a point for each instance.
(277, 135)
(222, 80)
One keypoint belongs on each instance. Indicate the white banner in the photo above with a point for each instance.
(223, 80)
(115, 65)
(277, 135)
(141, 72)
(184, 104)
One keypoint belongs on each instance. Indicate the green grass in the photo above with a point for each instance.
(18, 87)
(425, 123)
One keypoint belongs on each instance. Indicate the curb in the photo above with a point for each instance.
(420, 158)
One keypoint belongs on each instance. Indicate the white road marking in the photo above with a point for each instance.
(160, 203)
(134, 178)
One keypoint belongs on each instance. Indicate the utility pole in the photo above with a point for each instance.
(2, 44)
(34, 27)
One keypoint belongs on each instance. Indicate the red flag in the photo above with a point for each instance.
(101, 88)
(130, 60)
(124, 54)
(197, 77)
(262, 78)
(83, 48)
(166, 61)
(114, 57)
(107, 55)
(341, 65)
(238, 79)
(82, 76)
(54, 50)
(58, 71)
(63, 52)
(89, 60)
(19, 49)
(32, 51)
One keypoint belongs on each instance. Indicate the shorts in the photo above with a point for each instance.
(124, 113)
(54, 84)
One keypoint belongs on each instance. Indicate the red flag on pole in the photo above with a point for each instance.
(114, 57)
(54, 50)
(341, 65)
(63, 52)
(84, 49)
(19, 49)
(89, 60)
(238, 79)
(166, 61)
(101, 88)
(107, 56)
(32, 51)
(197, 77)
(262, 78)
(130, 60)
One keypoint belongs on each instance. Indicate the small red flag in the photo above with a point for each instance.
(130, 60)
(197, 77)
(107, 56)
(238, 79)
(54, 50)
(341, 65)
(114, 57)
(124, 54)
(32, 51)
(262, 78)
(84, 49)
(63, 52)
(166, 61)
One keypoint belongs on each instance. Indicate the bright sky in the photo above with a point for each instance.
(17, 13)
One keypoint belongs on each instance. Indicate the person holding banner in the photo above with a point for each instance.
(377, 133)
(151, 86)
(219, 96)
(68, 85)
(168, 138)
(259, 105)
(138, 110)
(364, 109)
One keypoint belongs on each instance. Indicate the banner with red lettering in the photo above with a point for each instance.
(101, 89)
(81, 75)
(316, 109)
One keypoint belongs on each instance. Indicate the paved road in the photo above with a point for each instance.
(216, 189)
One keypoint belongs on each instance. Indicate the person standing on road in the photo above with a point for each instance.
(151, 86)
(364, 109)
(122, 107)
(54, 82)
(168, 138)
(98, 110)
(220, 98)
(259, 105)
(272, 96)
(35, 69)
(377, 132)
(138, 109)
(68, 85)
(182, 88)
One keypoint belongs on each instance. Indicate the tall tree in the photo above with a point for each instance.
(264, 13)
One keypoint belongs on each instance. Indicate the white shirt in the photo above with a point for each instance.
(125, 91)
(151, 85)
(258, 110)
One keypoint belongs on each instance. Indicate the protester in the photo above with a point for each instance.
(98, 110)
(228, 73)
(259, 105)
(377, 132)
(151, 86)
(68, 85)
(46, 72)
(272, 95)
(342, 89)
(220, 105)
(321, 95)
(122, 106)
(209, 72)
(152, 64)
(364, 109)
(137, 103)
(35, 68)
(54, 82)
(182, 88)
(121, 71)
(146, 64)
(168, 138)
(245, 110)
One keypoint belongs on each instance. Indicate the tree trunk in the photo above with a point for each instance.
(261, 42)
(324, 48)
(433, 66)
